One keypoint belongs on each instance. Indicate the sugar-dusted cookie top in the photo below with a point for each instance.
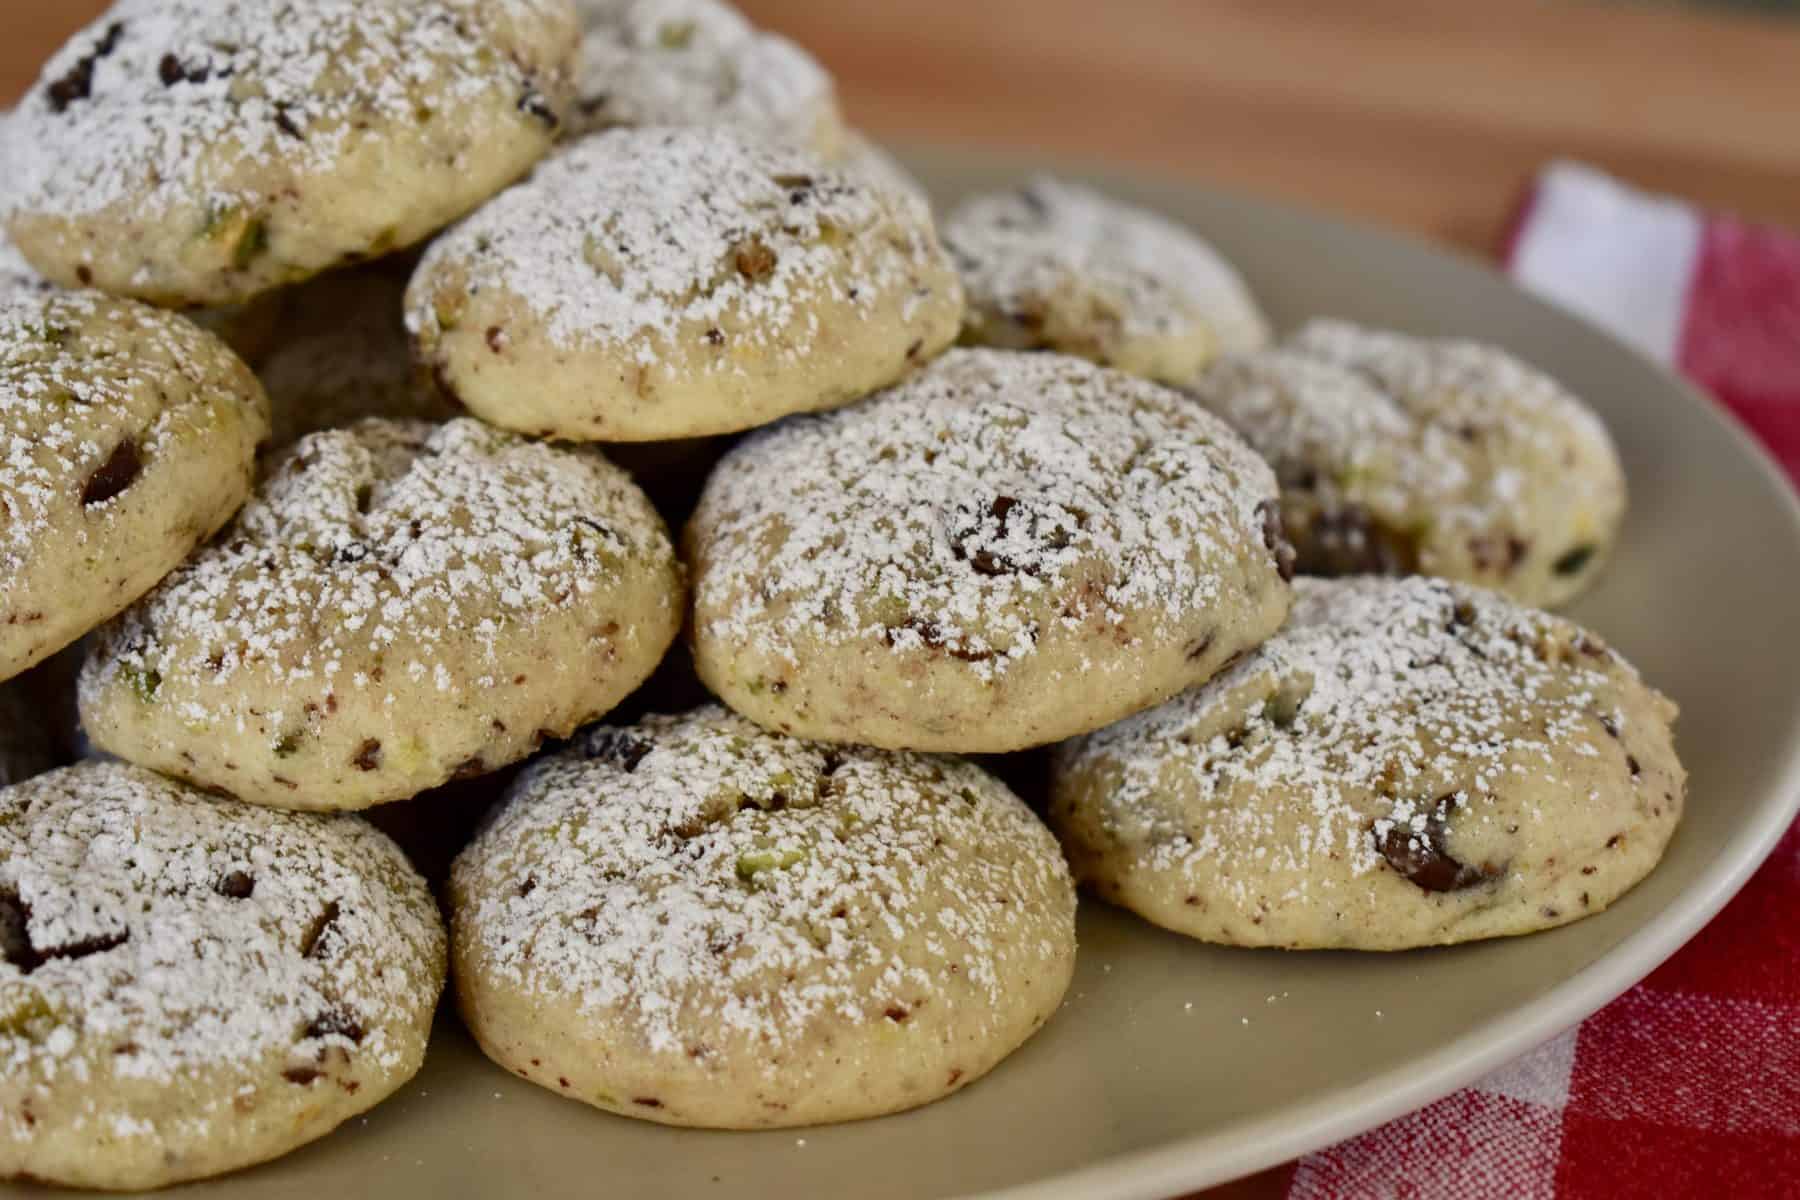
(658, 283)
(1445, 457)
(712, 924)
(699, 62)
(1055, 265)
(201, 151)
(997, 513)
(400, 602)
(189, 985)
(1406, 762)
(127, 436)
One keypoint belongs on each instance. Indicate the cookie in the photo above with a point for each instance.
(663, 283)
(1052, 265)
(1006, 550)
(188, 986)
(202, 151)
(399, 604)
(1451, 458)
(699, 62)
(342, 354)
(127, 437)
(696, 922)
(1408, 763)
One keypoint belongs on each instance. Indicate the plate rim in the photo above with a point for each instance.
(1259, 1142)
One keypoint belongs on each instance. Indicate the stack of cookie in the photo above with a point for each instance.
(474, 298)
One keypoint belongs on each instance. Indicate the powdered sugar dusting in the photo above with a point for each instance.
(156, 935)
(1451, 458)
(1447, 386)
(696, 872)
(627, 237)
(1017, 247)
(389, 536)
(698, 62)
(1378, 699)
(79, 372)
(939, 512)
(162, 103)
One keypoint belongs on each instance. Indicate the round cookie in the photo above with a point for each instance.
(699, 62)
(400, 604)
(1451, 458)
(1408, 763)
(1006, 550)
(696, 922)
(188, 986)
(127, 437)
(1052, 265)
(342, 354)
(202, 151)
(663, 283)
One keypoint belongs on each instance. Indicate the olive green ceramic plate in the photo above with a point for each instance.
(1170, 1067)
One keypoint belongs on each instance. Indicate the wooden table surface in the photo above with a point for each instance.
(1421, 114)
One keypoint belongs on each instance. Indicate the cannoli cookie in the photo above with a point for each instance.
(693, 921)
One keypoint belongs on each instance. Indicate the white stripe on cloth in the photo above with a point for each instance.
(1541, 1077)
(1620, 258)
(1507, 1135)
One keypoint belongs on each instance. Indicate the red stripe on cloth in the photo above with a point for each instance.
(1742, 336)
(1751, 950)
(1698, 1061)
(1468, 1146)
(1626, 1160)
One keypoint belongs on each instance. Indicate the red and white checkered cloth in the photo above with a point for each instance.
(1689, 1084)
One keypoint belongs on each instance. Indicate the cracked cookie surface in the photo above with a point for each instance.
(203, 151)
(1399, 454)
(1003, 551)
(663, 283)
(127, 437)
(400, 604)
(694, 921)
(1407, 763)
(189, 986)
(699, 62)
(1053, 265)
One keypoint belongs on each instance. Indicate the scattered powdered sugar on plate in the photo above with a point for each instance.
(1019, 248)
(943, 511)
(698, 62)
(161, 103)
(1379, 699)
(695, 872)
(388, 535)
(152, 934)
(626, 238)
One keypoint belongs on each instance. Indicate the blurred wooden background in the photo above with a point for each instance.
(1424, 114)
(1429, 115)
